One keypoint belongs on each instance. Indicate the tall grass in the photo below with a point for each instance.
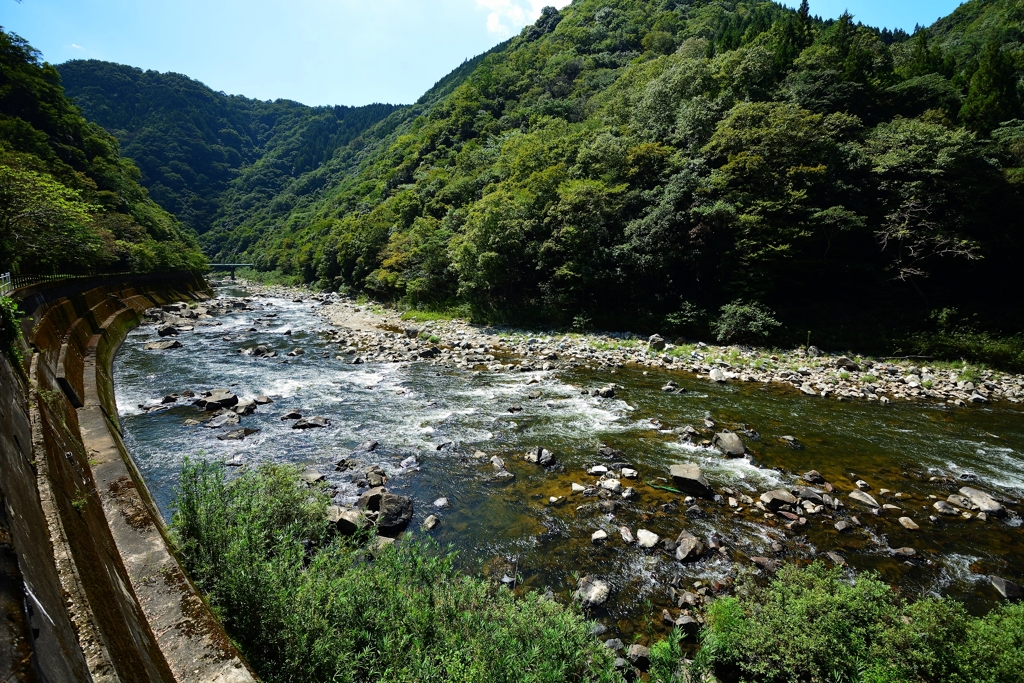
(307, 608)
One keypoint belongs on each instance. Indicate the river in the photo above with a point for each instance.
(510, 526)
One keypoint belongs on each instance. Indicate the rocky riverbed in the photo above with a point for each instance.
(634, 474)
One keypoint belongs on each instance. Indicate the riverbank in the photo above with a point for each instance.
(371, 333)
(543, 465)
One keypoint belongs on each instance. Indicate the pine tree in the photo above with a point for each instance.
(992, 97)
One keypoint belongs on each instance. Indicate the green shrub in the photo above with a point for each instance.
(10, 330)
(741, 322)
(305, 608)
(812, 624)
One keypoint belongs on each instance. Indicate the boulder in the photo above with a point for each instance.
(688, 547)
(237, 434)
(599, 536)
(367, 446)
(656, 342)
(813, 477)
(843, 527)
(370, 499)
(592, 592)
(688, 478)
(167, 331)
(646, 539)
(292, 415)
(262, 400)
(808, 493)
(347, 522)
(310, 423)
(627, 535)
(225, 420)
(1007, 589)
(375, 476)
(730, 444)
(716, 375)
(246, 406)
(983, 501)
(162, 345)
(863, 498)
(219, 398)
(908, 523)
(774, 500)
(540, 456)
(845, 363)
(944, 508)
(312, 476)
(613, 485)
(395, 513)
(639, 656)
(431, 522)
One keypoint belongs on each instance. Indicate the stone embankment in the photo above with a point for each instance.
(82, 547)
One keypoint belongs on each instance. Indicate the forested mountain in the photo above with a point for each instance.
(68, 200)
(205, 155)
(643, 163)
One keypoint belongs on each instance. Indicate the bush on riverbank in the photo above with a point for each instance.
(811, 624)
(303, 607)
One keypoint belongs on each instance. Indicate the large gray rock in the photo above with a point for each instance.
(807, 493)
(1007, 589)
(540, 456)
(310, 423)
(983, 501)
(592, 592)
(346, 522)
(845, 363)
(863, 498)
(944, 508)
(395, 513)
(656, 342)
(773, 500)
(162, 345)
(167, 331)
(370, 499)
(225, 420)
(730, 444)
(689, 547)
(219, 398)
(688, 478)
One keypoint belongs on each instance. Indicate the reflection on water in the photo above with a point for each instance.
(444, 416)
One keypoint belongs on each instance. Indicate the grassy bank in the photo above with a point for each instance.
(303, 606)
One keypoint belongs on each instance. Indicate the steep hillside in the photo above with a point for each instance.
(204, 154)
(646, 163)
(68, 200)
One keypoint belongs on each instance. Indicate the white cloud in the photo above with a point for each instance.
(507, 16)
(77, 47)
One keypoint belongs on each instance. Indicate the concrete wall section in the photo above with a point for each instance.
(84, 535)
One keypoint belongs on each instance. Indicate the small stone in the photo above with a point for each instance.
(578, 488)
(908, 523)
(863, 498)
(843, 527)
(592, 591)
(813, 477)
(431, 522)
(627, 535)
(599, 536)
(441, 503)
(646, 539)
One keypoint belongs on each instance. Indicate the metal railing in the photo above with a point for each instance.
(6, 287)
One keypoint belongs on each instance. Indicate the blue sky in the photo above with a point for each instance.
(321, 51)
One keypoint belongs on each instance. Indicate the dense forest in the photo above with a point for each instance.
(206, 156)
(68, 201)
(645, 163)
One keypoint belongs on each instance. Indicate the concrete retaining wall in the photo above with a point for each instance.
(89, 585)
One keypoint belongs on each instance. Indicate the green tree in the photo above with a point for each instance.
(44, 223)
(992, 97)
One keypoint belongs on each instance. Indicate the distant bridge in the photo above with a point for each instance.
(230, 266)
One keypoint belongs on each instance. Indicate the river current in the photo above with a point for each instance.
(509, 526)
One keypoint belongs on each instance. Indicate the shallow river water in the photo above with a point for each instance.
(508, 526)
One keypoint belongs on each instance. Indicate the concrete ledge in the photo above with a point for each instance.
(82, 523)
